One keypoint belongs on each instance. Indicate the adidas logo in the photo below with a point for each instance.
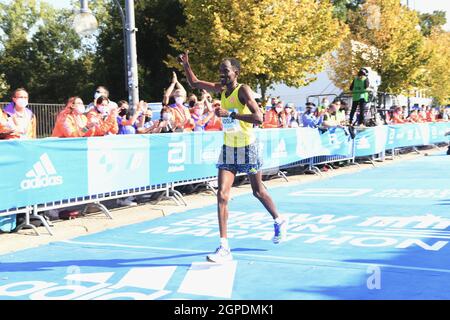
(42, 175)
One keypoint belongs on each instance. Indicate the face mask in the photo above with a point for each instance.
(103, 109)
(147, 119)
(123, 112)
(179, 101)
(166, 116)
(97, 95)
(278, 110)
(80, 109)
(21, 102)
(191, 103)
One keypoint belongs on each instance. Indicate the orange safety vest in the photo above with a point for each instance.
(105, 126)
(271, 119)
(182, 118)
(69, 125)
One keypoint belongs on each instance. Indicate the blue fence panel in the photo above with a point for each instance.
(46, 170)
(184, 156)
(370, 141)
(38, 171)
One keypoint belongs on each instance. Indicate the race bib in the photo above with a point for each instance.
(229, 124)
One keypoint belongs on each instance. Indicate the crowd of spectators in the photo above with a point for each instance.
(183, 113)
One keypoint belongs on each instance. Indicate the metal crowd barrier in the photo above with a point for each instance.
(45, 116)
(168, 189)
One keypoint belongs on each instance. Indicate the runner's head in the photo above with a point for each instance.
(230, 69)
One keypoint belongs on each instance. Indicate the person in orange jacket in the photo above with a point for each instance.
(17, 121)
(397, 116)
(181, 114)
(215, 123)
(104, 116)
(275, 117)
(71, 121)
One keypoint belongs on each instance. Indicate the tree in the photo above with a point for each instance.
(41, 52)
(277, 41)
(385, 37)
(429, 21)
(155, 20)
(342, 7)
(437, 76)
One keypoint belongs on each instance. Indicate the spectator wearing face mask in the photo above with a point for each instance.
(71, 121)
(128, 124)
(181, 114)
(166, 124)
(275, 117)
(18, 121)
(309, 118)
(215, 122)
(101, 91)
(291, 116)
(145, 124)
(106, 117)
(200, 116)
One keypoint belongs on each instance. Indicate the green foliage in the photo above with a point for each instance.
(428, 21)
(275, 40)
(156, 21)
(41, 52)
(389, 42)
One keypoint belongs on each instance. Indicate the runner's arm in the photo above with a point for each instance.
(194, 82)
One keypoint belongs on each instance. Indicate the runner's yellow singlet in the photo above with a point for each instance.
(236, 133)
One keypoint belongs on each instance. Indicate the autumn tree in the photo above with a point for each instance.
(384, 36)
(437, 79)
(41, 51)
(430, 21)
(276, 41)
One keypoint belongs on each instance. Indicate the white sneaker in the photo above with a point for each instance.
(127, 202)
(221, 255)
(280, 231)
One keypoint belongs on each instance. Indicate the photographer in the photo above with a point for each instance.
(360, 94)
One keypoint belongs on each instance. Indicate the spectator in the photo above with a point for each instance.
(166, 124)
(275, 117)
(323, 106)
(181, 115)
(99, 92)
(431, 115)
(215, 122)
(397, 116)
(330, 117)
(145, 123)
(414, 116)
(200, 117)
(71, 121)
(342, 112)
(106, 117)
(127, 123)
(19, 122)
(309, 120)
(192, 100)
(291, 116)
(360, 95)
(448, 150)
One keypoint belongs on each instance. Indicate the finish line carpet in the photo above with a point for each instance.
(380, 233)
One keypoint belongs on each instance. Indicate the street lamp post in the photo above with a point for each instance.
(86, 24)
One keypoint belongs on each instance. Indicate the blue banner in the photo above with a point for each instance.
(370, 141)
(39, 171)
(184, 156)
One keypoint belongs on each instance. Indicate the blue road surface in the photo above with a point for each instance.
(380, 233)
